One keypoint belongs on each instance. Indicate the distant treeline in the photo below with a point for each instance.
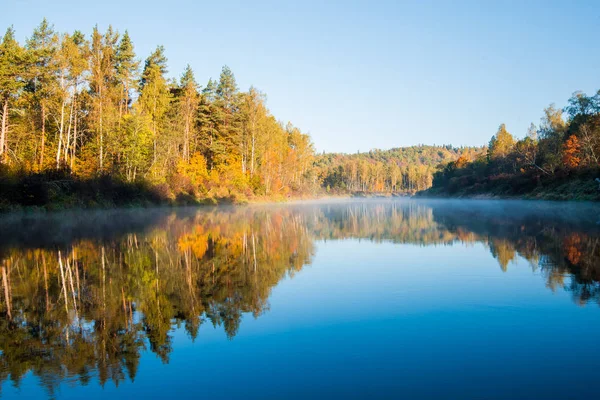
(559, 159)
(405, 169)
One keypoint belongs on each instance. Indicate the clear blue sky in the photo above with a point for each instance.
(358, 75)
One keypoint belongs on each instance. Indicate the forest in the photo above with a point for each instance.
(85, 123)
(557, 160)
(84, 112)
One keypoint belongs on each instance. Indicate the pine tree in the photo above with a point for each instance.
(227, 106)
(12, 76)
(42, 46)
(253, 112)
(208, 123)
(126, 71)
(187, 100)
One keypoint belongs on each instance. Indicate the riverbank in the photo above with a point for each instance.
(52, 191)
(572, 186)
(58, 190)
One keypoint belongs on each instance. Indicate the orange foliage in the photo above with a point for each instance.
(571, 149)
(461, 162)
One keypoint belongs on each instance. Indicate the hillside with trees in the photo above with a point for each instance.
(557, 160)
(403, 170)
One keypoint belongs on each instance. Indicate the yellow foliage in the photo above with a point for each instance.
(195, 170)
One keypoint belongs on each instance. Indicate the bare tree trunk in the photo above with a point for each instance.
(188, 128)
(60, 134)
(68, 141)
(4, 131)
(74, 148)
(252, 153)
(126, 97)
(101, 134)
(43, 147)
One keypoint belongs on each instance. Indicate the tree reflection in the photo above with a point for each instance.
(87, 300)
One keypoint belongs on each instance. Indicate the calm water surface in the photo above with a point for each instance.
(373, 299)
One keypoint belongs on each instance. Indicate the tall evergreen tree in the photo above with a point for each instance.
(208, 124)
(12, 76)
(227, 106)
(42, 85)
(187, 102)
(126, 71)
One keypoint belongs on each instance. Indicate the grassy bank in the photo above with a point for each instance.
(564, 185)
(57, 190)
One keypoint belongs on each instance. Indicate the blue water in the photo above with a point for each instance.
(377, 317)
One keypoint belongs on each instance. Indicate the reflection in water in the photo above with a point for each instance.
(84, 295)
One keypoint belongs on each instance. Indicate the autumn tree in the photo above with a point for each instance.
(501, 144)
(155, 100)
(552, 131)
(571, 150)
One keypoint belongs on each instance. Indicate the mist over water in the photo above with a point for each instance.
(353, 299)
